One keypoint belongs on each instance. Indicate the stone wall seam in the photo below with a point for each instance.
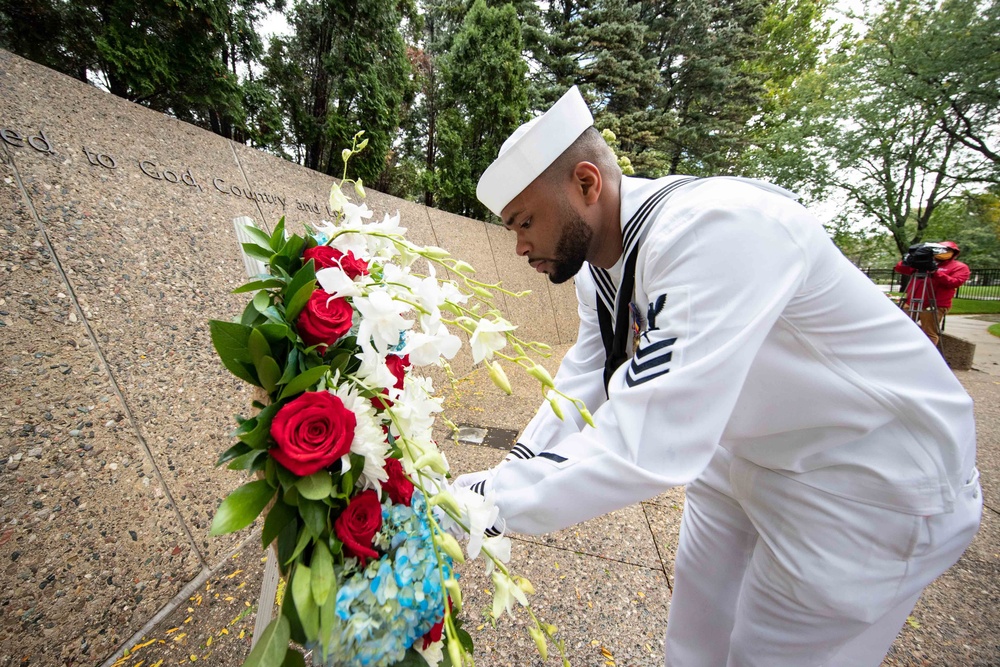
(112, 379)
(496, 267)
(183, 597)
(239, 165)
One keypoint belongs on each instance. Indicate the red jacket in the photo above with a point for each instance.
(950, 275)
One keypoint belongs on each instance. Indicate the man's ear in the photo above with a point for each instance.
(587, 182)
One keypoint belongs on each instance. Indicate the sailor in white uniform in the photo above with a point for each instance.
(725, 344)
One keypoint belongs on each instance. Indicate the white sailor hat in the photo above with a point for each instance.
(532, 148)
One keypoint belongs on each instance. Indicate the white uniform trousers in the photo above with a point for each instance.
(771, 572)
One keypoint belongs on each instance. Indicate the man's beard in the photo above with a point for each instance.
(571, 251)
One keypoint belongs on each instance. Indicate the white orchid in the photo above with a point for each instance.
(381, 319)
(336, 283)
(373, 371)
(489, 337)
(478, 513)
(337, 199)
(505, 593)
(431, 344)
(433, 655)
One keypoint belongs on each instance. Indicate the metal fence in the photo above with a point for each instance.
(983, 284)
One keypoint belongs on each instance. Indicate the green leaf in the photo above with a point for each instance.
(246, 461)
(304, 540)
(259, 235)
(316, 486)
(301, 277)
(230, 342)
(278, 235)
(298, 300)
(251, 315)
(289, 611)
(304, 604)
(328, 618)
(291, 367)
(279, 516)
(322, 573)
(257, 438)
(259, 284)
(258, 346)
(465, 639)
(261, 301)
(241, 507)
(303, 381)
(293, 659)
(270, 649)
(293, 247)
(412, 659)
(269, 373)
(314, 514)
(286, 546)
(239, 449)
(255, 250)
(275, 332)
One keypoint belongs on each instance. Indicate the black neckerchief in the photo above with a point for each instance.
(615, 334)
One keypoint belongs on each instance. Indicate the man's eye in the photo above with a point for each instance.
(526, 223)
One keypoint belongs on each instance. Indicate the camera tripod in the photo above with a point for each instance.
(920, 304)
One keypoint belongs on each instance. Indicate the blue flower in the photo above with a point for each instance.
(394, 601)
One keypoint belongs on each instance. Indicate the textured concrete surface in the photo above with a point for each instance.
(116, 247)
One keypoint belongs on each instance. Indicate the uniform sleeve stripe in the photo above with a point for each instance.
(637, 368)
(645, 350)
(632, 381)
(521, 452)
(552, 457)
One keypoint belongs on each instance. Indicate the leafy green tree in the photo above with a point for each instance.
(972, 220)
(343, 70)
(484, 98)
(858, 131)
(951, 63)
(865, 247)
(179, 58)
(706, 95)
(791, 37)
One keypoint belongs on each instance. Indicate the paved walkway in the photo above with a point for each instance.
(973, 328)
(606, 583)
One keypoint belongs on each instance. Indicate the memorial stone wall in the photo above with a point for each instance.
(116, 248)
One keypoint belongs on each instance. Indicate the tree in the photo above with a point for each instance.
(343, 70)
(179, 58)
(857, 130)
(484, 99)
(706, 95)
(950, 63)
(972, 220)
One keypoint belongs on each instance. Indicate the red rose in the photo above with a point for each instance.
(324, 321)
(312, 432)
(397, 366)
(434, 634)
(326, 257)
(358, 523)
(399, 488)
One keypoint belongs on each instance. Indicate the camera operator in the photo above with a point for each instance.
(938, 263)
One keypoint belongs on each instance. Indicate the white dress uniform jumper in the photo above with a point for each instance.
(828, 452)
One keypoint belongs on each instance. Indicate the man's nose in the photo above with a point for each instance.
(522, 247)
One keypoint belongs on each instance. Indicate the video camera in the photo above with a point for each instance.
(921, 256)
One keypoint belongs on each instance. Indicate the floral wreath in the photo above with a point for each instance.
(358, 505)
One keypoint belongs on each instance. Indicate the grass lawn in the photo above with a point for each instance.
(995, 329)
(973, 307)
(965, 306)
